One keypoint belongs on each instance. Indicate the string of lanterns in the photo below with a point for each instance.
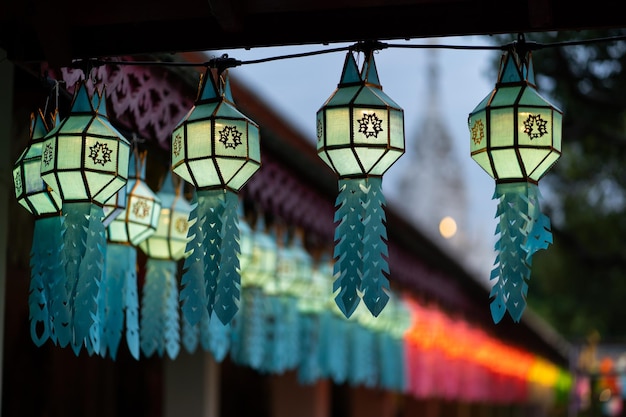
(86, 188)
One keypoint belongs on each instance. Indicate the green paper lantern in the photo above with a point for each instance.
(140, 217)
(515, 132)
(170, 239)
(215, 145)
(30, 190)
(85, 158)
(360, 129)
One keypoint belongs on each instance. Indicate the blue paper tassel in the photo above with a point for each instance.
(523, 230)
(276, 352)
(218, 338)
(190, 335)
(336, 349)
(48, 300)
(363, 353)
(194, 292)
(360, 248)
(348, 245)
(308, 368)
(119, 300)
(392, 366)
(159, 309)
(250, 334)
(374, 283)
(84, 245)
(228, 280)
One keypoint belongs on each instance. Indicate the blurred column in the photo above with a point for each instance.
(6, 112)
(192, 385)
(290, 398)
(371, 403)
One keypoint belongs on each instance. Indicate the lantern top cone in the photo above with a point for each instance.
(360, 129)
(515, 133)
(215, 145)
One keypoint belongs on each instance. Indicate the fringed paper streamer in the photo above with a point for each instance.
(218, 338)
(194, 289)
(211, 207)
(131, 307)
(348, 245)
(159, 310)
(48, 300)
(84, 244)
(363, 353)
(391, 362)
(217, 224)
(251, 337)
(522, 230)
(228, 281)
(291, 316)
(190, 335)
(336, 349)
(374, 283)
(308, 367)
(276, 352)
(360, 248)
(119, 300)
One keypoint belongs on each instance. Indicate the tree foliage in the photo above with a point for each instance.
(579, 283)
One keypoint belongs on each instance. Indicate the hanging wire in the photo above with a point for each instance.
(225, 61)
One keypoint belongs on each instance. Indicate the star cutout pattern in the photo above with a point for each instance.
(230, 137)
(141, 208)
(181, 225)
(48, 154)
(478, 132)
(370, 125)
(177, 144)
(535, 127)
(100, 153)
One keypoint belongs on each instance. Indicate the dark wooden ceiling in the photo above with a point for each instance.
(59, 31)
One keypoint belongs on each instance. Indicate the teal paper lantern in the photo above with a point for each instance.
(48, 307)
(118, 296)
(216, 148)
(515, 136)
(85, 161)
(360, 135)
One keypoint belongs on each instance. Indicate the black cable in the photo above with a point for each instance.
(225, 62)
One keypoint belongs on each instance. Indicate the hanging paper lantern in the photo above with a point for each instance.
(48, 308)
(216, 148)
(164, 249)
(85, 160)
(137, 221)
(360, 135)
(516, 138)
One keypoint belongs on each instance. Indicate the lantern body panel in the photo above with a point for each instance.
(169, 241)
(85, 158)
(139, 219)
(356, 140)
(30, 190)
(215, 145)
(517, 139)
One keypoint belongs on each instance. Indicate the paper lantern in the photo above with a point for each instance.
(515, 136)
(118, 293)
(216, 148)
(360, 135)
(85, 160)
(48, 308)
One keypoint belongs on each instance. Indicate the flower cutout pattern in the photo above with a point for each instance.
(100, 153)
(230, 137)
(370, 125)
